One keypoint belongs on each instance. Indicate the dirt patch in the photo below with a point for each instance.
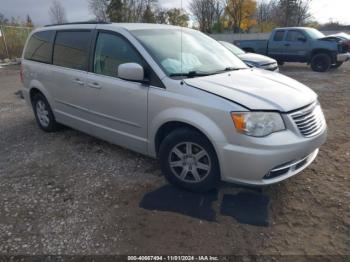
(69, 193)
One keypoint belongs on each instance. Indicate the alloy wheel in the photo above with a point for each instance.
(189, 162)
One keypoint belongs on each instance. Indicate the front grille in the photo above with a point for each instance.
(343, 48)
(310, 121)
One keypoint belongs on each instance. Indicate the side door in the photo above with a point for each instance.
(120, 107)
(276, 45)
(69, 72)
(297, 46)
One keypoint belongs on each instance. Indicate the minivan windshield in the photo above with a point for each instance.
(186, 52)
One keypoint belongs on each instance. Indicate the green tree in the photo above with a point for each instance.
(148, 15)
(115, 11)
(3, 19)
(29, 22)
(177, 16)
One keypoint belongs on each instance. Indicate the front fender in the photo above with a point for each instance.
(188, 116)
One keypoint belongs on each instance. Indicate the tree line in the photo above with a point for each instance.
(247, 15)
(137, 11)
(209, 15)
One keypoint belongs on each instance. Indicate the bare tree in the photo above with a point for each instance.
(99, 9)
(266, 13)
(57, 13)
(206, 13)
(219, 8)
(302, 12)
(132, 11)
(293, 12)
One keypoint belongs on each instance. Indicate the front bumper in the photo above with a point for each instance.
(343, 57)
(271, 159)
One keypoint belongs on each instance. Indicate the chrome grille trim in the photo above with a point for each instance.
(310, 120)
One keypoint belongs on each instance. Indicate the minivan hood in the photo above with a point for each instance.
(257, 89)
(256, 58)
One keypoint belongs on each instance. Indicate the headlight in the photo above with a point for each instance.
(257, 124)
(252, 64)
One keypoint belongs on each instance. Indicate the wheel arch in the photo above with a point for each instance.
(321, 51)
(35, 88)
(184, 119)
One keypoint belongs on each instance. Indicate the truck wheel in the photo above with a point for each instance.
(188, 160)
(321, 62)
(337, 65)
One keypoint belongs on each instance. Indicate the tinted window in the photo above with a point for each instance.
(294, 36)
(71, 49)
(279, 35)
(111, 51)
(39, 47)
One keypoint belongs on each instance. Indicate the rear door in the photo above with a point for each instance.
(119, 107)
(277, 45)
(69, 72)
(296, 46)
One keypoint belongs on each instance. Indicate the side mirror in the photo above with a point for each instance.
(131, 72)
(302, 39)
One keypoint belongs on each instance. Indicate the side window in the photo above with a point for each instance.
(279, 35)
(39, 47)
(294, 36)
(71, 49)
(111, 51)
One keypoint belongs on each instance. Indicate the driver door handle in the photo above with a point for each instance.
(287, 44)
(78, 81)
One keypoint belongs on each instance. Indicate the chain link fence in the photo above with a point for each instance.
(12, 41)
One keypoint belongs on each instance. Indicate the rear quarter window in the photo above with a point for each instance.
(279, 35)
(39, 47)
(71, 49)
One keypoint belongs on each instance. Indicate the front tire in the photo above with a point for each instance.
(188, 160)
(43, 114)
(321, 63)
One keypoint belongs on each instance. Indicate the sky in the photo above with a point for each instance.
(77, 10)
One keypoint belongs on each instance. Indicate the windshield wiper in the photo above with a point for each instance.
(190, 74)
(227, 69)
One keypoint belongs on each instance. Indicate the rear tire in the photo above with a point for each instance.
(43, 114)
(321, 63)
(188, 160)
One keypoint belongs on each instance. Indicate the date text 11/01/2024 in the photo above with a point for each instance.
(173, 258)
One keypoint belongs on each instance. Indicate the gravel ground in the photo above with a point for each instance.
(69, 193)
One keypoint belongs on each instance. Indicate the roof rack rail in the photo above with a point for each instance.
(80, 23)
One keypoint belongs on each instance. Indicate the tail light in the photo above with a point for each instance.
(21, 74)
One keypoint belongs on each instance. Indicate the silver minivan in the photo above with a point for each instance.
(174, 94)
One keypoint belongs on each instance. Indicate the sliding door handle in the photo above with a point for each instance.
(95, 85)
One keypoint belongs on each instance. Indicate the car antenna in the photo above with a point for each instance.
(181, 50)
